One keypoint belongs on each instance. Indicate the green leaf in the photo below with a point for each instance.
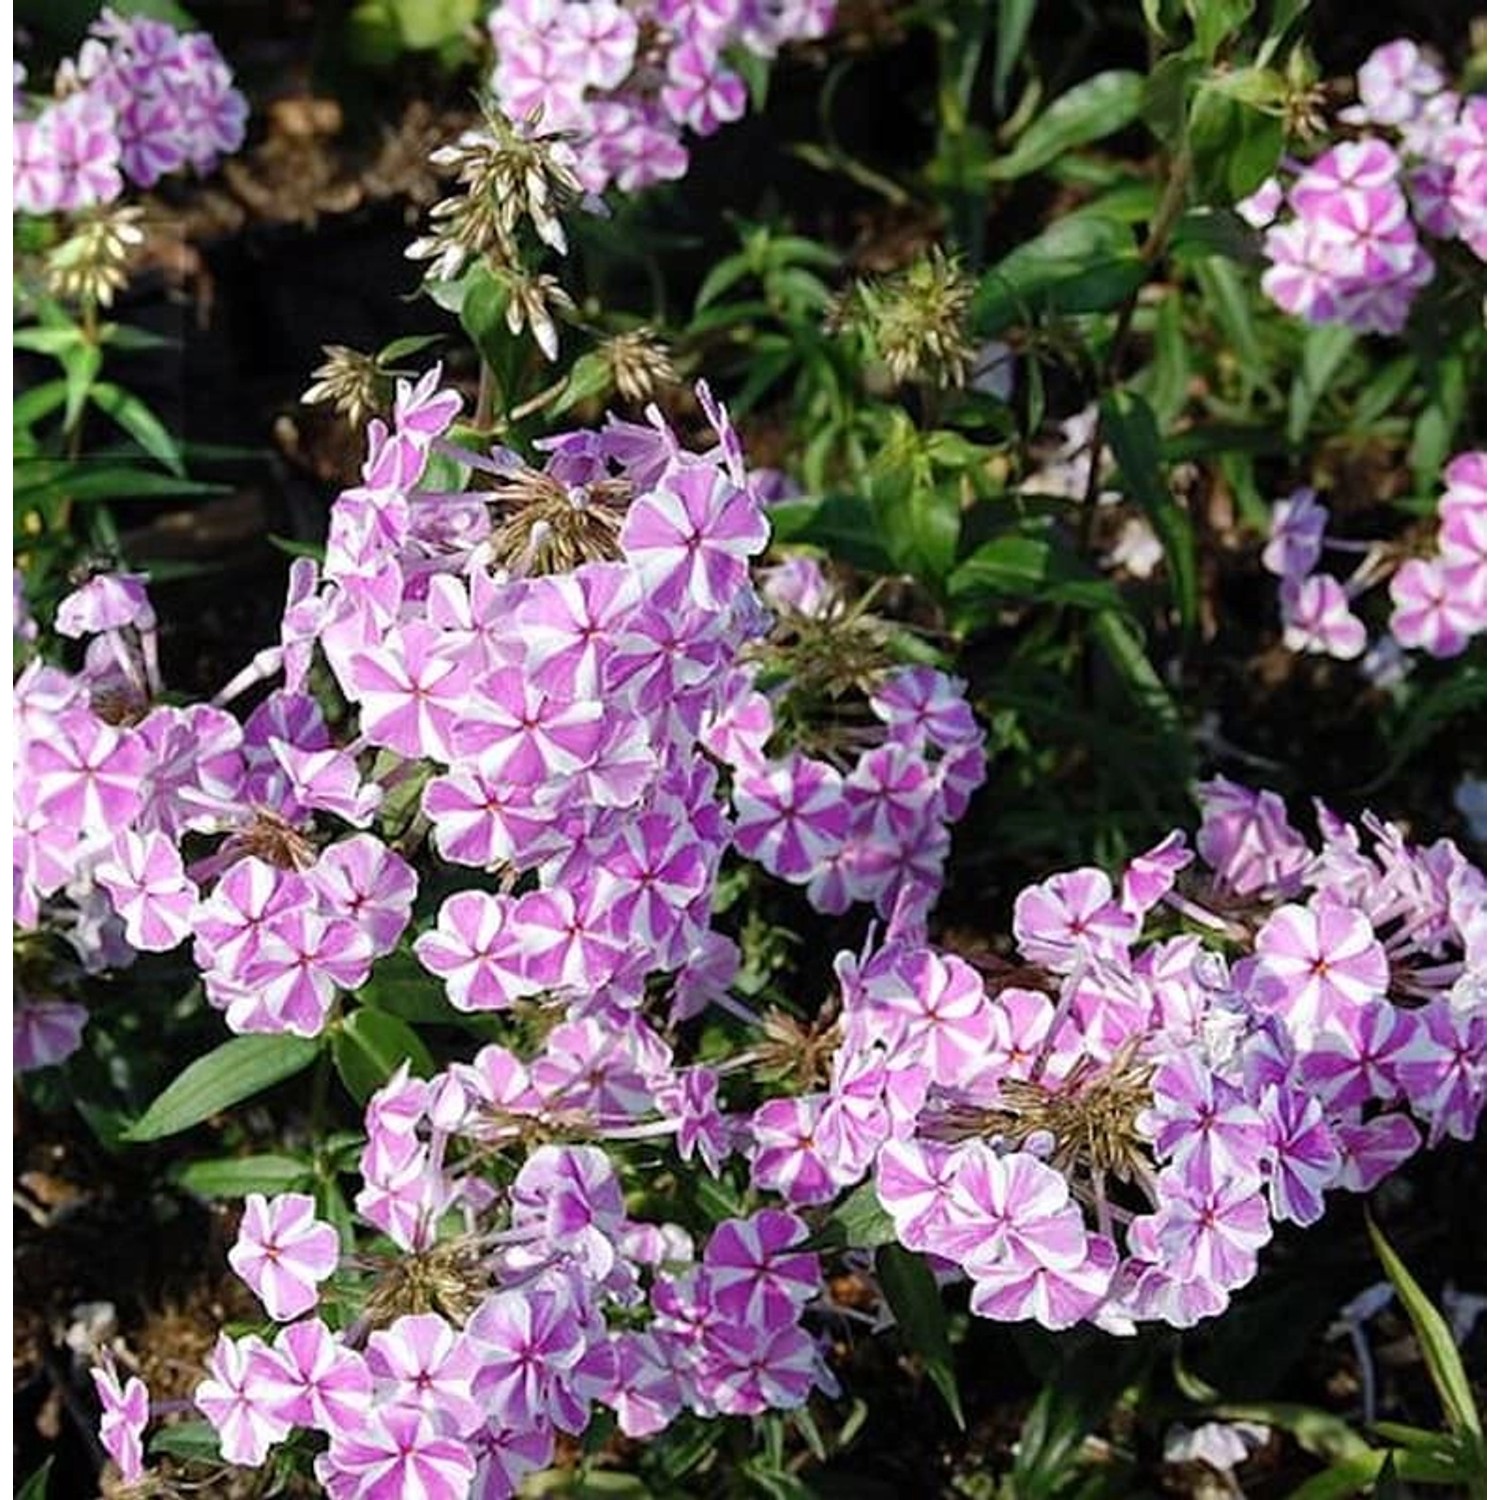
(1215, 21)
(1166, 94)
(1012, 22)
(916, 516)
(1439, 1352)
(400, 986)
(1462, 690)
(106, 482)
(54, 341)
(81, 363)
(1235, 135)
(189, 1440)
(35, 1487)
(235, 1070)
(1324, 349)
(1119, 637)
(912, 1291)
(370, 1045)
(1203, 232)
(1096, 108)
(858, 1221)
(38, 402)
(1355, 1476)
(588, 377)
(1130, 430)
(843, 523)
(235, 1176)
(1315, 1431)
(426, 24)
(412, 343)
(1224, 295)
(1086, 262)
(131, 413)
(1030, 567)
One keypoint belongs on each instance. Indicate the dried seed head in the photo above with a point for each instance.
(638, 364)
(450, 1279)
(352, 383)
(505, 170)
(544, 526)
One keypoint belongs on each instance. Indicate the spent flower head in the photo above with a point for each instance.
(93, 263)
(352, 383)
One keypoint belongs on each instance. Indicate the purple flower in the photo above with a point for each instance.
(125, 1414)
(692, 537)
(244, 1397)
(283, 1251)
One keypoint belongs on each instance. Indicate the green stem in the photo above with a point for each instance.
(1168, 211)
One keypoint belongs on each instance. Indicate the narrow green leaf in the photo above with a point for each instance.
(1315, 1431)
(1439, 1352)
(235, 1176)
(1096, 108)
(1130, 429)
(1462, 690)
(412, 343)
(370, 1045)
(236, 1070)
(38, 402)
(108, 482)
(1012, 22)
(35, 1487)
(912, 1291)
(81, 363)
(54, 341)
(131, 413)
(1324, 349)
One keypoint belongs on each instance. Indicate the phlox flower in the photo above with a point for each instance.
(1437, 609)
(244, 1397)
(1316, 618)
(790, 815)
(44, 1032)
(1296, 539)
(397, 1455)
(527, 1341)
(749, 1370)
(692, 537)
(476, 953)
(126, 1410)
(1314, 964)
(332, 1384)
(756, 1277)
(783, 1157)
(283, 1251)
(421, 1362)
(1070, 915)
(144, 877)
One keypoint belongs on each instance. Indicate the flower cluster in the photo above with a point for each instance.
(1105, 1130)
(569, 678)
(628, 78)
(1112, 1136)
(1438, 601)
(1349, 252)
(519, 728)
(140, 101)
(477, 1351)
